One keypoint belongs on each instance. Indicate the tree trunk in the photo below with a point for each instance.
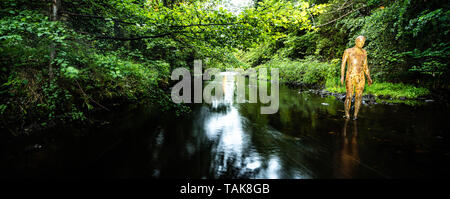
(54, 9)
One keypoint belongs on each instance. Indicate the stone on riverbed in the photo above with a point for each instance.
(34, 147)
(367, 99)
(384, 97)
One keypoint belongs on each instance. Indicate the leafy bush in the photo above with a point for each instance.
(306, 71)
(299, 46)
(84, 79)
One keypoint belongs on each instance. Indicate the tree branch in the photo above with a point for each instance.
(135, 38)
(97, 17)
(354, 10)
(130, 23)
(211, 24)
(143, 37)
(89, 97)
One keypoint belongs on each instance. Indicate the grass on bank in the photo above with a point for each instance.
(387, 89)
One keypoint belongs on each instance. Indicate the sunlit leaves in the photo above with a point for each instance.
(276, 19)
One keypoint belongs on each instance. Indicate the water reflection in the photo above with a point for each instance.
(226, 139)
(306, 138)
(225, 128)
(234, 156)
(348, 159)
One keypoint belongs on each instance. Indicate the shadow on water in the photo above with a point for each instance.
(306, 138)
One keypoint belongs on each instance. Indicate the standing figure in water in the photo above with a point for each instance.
(356, 60)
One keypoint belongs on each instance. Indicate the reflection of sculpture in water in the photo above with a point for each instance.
(348, 157)
(356, 60)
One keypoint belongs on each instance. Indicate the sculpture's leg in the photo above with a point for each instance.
(359, 88)
(348, 98)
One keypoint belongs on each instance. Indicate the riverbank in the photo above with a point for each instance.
(370, 99)
(371, 94)
(322, 78)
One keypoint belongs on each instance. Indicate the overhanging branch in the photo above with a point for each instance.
(211, 24)
(131, 23)
(329, 22)
(136, 38)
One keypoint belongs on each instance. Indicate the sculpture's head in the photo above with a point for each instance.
(360, 41)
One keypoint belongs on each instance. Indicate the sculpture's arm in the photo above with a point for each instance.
(344, 61)
(366, 69)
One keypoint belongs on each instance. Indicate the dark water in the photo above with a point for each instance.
(306, 138)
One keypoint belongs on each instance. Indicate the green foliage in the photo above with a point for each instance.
(94, 55)
(432, 61)
(228, 61)
(275, 19)
(394, 90)
(308, 71)
(295, 47)
(27, 94)
(259, 55)
(88, 74)
(397, 90)
(406, 42)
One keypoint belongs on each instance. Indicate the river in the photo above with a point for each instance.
(307, 138)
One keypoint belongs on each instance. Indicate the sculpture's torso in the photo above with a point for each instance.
(355, 61)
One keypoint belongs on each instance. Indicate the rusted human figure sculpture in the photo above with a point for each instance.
(356, 60)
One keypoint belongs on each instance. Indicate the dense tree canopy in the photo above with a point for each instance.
(63, 59)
